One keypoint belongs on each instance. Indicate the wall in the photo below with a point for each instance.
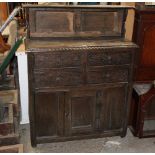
(130, 20)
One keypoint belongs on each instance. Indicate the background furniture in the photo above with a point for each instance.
(18, 148)
(9, 118)
(80, 74)
(143, 124)
(143, 35)
(143, 106)
(3, 12)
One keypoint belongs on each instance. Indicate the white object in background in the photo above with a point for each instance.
(142, 88)
(149, 3)
(75, 3)
(103, 3)
(23, 84)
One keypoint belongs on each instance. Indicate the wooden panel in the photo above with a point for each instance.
(89, 18)
(80, 108)
(58, 59)
(143, 114)
(150, 109)
(6, 119)
(110, 26)
(109, 57)
(9, 96)
(51, 22)
(7, 84)
(54, 21)
(112, 112)
(30, 58)
(148, 53)
(75, 22)
(145, 74)
(99, 75)
(148, 16)
(58, 77)
(49, 113)
(11, 138)
(143, 35)
(18, 148)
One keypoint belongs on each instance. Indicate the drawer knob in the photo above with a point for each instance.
(58, 78)
(106, 75)
(66, 114)
(109, 57)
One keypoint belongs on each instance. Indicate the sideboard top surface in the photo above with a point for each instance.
(78, 6)
(40, 44)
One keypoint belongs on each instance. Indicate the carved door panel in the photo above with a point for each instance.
(112, 108)
(92, 111)
(49, 113)
(80, 107)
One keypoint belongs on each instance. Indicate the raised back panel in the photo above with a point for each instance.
(50, 23)
(56, 22)
(103, 23)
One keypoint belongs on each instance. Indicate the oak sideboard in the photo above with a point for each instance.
(80, 70)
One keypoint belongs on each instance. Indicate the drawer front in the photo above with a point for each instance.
(58, 77)
(100, 58)
(57, 59)
(107, 74)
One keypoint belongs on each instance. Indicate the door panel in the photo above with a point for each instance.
(80, 106)
(112, 108)
(98, 110)
(49, 113)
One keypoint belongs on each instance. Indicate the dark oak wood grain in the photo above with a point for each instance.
(49, 114)
(78, 87)
(75, 21)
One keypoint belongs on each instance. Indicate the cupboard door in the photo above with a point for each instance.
(49, 111)
(113, 108)
(80, 109)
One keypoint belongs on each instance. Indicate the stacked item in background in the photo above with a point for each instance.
(9, 108)
(9, 116)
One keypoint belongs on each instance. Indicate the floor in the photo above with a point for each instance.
(100, 145)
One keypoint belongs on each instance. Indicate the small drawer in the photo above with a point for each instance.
(107, 75)
(115, 57)
(57, 59)
(58, 77)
